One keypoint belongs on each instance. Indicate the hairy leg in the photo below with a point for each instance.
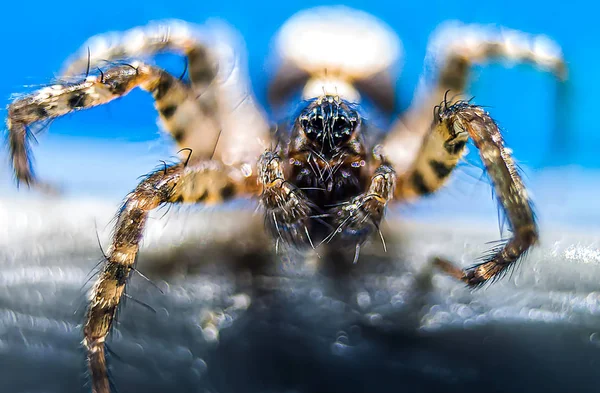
(205, 182)
(233, 127)
(288, 210)
(442, 148)
(362, 61)
(360, 217)
(452, 52)
(174, 100)
(439, 154)
(147, 41)
(215, 114)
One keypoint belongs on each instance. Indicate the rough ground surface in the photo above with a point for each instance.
(235, 318)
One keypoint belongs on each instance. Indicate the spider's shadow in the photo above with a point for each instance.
(337, 327)
(307, 314)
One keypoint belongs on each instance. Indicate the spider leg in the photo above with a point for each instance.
(174, 101)
(452, 51)
(206, 182)
(356, 220)
(236, 129)
(215, 115)
(288, 210)
(440, 152)
(453, 125)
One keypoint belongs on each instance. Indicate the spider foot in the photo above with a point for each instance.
(493, 267)
(468, 276)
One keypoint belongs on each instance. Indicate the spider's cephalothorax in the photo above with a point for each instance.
(323, 182)
(327, 163)
(327, 152)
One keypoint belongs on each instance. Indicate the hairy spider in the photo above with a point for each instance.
(324, 178)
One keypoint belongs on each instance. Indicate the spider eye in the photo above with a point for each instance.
(313, 128)
(329, 125)
(341, 131)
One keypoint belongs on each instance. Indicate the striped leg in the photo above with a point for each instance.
(224, 108)
(175, 102)
(207, 182)
(441, 150)
(452, 51)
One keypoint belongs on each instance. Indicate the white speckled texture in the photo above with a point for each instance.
(283, 327)
(231, 320)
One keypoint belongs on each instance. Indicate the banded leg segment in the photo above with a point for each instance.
(452, 52)
(146, 41)
(174, 100)
(217, 69)
(207, 182)
(466, 119)
(440, 152)
(58, 100)
(180, 113)
(455, 48)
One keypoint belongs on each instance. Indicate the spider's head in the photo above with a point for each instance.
(329, 124)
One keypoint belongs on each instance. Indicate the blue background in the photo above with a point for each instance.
(99, 152)
(542, 130)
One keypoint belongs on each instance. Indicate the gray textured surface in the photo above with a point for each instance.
(287, 326)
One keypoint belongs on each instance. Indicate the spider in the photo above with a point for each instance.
(323, 179)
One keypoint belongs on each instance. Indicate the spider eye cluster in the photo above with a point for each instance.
(340, 131)
(328, 125)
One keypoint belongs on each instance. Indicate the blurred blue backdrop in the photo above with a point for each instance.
(542, 131)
